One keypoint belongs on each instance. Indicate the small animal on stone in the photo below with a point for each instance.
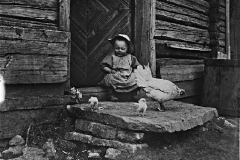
(2, 89)
(93, 103)
(76, 94)
(142, 106)
(160, 90)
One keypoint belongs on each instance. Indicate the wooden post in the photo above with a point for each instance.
(64, 15)
(64, 25)
(228, 29)
(144, 28)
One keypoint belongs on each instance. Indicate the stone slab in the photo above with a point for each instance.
(84, 138)
(106, 131)
(178, 117)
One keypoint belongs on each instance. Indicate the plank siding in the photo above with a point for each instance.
(34, 62)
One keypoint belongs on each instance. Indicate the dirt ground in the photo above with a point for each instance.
(213, 141)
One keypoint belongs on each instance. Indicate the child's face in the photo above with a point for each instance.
(120, 48)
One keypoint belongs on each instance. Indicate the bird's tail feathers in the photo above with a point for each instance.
(143, 74)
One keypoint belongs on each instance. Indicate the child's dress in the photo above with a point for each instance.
(124, 79)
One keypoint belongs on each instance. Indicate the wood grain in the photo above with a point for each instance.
(32, 13)
(34, 76)
(23, 103)
(43, 4)
(187, 20)
(32, 47)
(19, 33)
(64, 15)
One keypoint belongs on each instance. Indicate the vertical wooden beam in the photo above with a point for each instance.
(64, 15)
(64, 25)
(234, 29)
(228, 29)
(144, 32)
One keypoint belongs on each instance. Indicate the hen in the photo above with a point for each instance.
(157, 89)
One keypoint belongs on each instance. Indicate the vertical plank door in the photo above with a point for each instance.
(92, 23)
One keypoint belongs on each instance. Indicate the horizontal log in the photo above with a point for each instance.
(164, 25)
(173, 61)
(23, 103)
(35, 90)
(222, 3)
(16, 62)
(180, 10)
(32, 13)
(222, 10)
(182, 36)
(176, 73)
(32, 47)
(184, 45)
(217, 35)
(199, 6)
(18, 33)
(33, 77)
(217, 3)
(44, 4)
(183, 19)
(223, 17)
(15, 122)
(8, 21)
(162, 51)
(222, 62)
(222, 23)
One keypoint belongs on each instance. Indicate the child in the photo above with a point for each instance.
(118, 67)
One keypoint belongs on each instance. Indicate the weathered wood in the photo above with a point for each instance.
(181, 72)
(222, 23)
(143, 36)
(180, 10)
(164, 25)
(184, 45)
(162, 51)
(215, 27)
(32, 77)
(197, 100)
(26, 90)
(191, 4)
(152, 56)
(32, 47)
(182, 36)
(18, 33)
(218, 42)
(179, 116)
(64, 15)
(43, 4)
(24, 103)
(216, 3)
(173, 17)
(221, 86)
(32, 13)
(17, 62)
(172, 61)
(15, 122)
(9, 21)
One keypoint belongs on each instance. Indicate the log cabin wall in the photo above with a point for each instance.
(34, 62)
(217, 28)
(185, 36)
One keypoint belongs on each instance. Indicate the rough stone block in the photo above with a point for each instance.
(112, 153)
(178, 117)
(131, 148)
(17, 140)
(107, 132)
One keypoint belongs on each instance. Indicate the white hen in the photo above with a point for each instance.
(158, 89)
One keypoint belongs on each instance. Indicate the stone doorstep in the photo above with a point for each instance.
(179, 116)
(130, 148)
(107, 132)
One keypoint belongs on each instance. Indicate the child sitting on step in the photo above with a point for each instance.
(118, 67)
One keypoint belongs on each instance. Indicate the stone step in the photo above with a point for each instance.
(84, 138)
(107, 132)
(178, 117)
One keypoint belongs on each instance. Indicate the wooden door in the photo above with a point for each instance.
(92, 23)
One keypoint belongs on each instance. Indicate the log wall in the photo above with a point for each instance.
(34, 62)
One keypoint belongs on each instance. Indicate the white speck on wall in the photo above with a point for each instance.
(2, 89)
